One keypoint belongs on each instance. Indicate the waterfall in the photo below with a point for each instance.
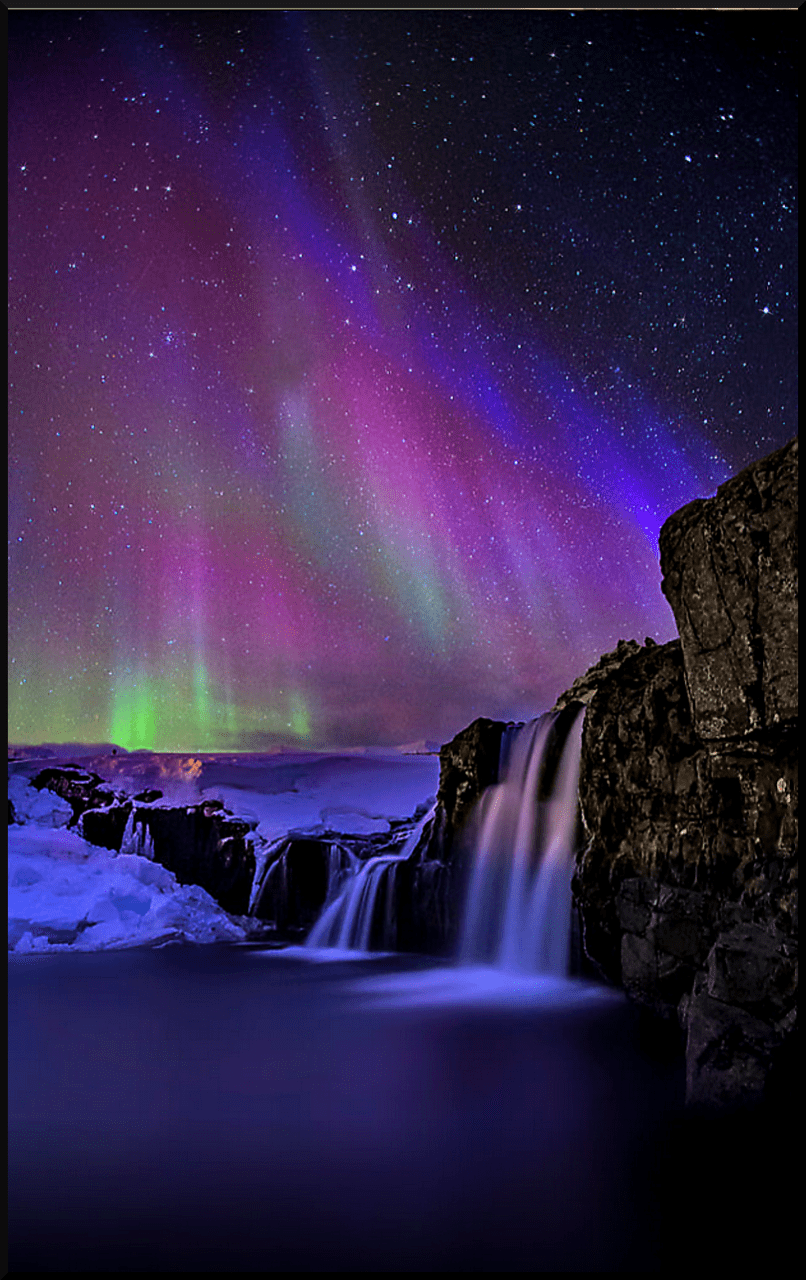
(277, 882)
(341, 865)
(517, 911)
(347, 922)
(366, 905)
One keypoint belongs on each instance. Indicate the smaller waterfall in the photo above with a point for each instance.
(283, 886)
(347, 922)
(365, 907)
(342, 864)
(265, 858)
(517, 912)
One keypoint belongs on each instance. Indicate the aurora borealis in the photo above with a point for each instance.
(356, 358)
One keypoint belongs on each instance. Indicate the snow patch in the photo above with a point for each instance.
(42, 807)
(66, 894)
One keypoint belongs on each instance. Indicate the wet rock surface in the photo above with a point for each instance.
(203, 844)
(468, 764)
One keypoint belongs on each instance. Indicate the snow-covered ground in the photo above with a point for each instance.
(66, 894)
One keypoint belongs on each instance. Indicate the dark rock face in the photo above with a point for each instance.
(730, 567)
(687, 889)
(429, 889)
(468, 764)
(105, 827)
(295, 885)
(426, 906)
(585, 686)
(205, 845)
(81, 789)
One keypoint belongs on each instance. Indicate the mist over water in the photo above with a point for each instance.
(228, 1109)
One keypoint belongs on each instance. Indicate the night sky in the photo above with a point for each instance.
(357, 358)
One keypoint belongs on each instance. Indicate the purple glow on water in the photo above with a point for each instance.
(220, 1109)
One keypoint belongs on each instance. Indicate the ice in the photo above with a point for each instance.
(349, 795)
(66, 894)
(346, 793)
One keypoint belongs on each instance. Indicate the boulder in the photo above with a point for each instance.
(81, 789)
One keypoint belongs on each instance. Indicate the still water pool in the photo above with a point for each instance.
(225, 1108)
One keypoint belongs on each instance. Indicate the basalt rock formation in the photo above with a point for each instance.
(730, 574)
(687, 887)
(203, 844)
(468, 764)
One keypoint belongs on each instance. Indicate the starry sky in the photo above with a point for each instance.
(357, 358)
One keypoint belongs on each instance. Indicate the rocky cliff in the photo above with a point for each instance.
(686, 885)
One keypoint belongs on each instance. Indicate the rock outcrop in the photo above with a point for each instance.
(201, 844)
(468, 764)
(82, 789)
(686, 882)
(687, 887)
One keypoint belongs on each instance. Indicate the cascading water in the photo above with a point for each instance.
(517, 912)
(347, 923)
(282, 886)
